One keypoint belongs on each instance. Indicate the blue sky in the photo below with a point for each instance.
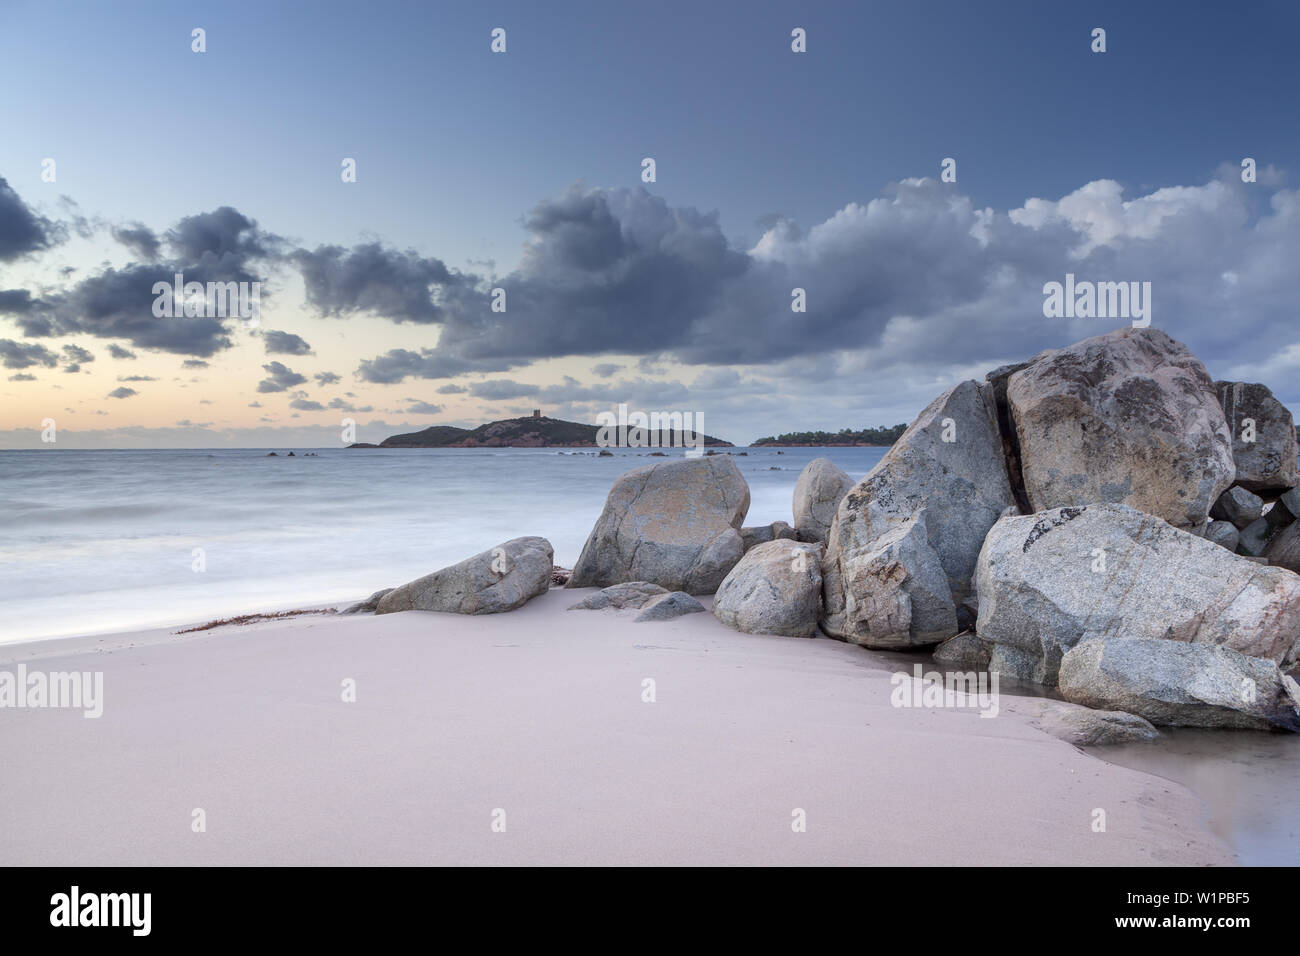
(457, 146)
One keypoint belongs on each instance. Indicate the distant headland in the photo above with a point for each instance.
(533, 431)
(880, 437)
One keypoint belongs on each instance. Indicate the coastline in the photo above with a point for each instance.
(540, 712)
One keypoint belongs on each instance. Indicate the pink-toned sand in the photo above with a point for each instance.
(539, 713)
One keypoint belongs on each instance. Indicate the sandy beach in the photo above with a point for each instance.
(540, 713)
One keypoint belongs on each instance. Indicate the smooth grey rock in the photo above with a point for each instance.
(1130, 417)
(1267, 464)
(1222, 533)
(668, 606)
(1238, 506)
(499, 579)
(1079, 725)
(674, 523)
(1181, 685)
(964, 650)
(368, 605)
(961, 486)
(821, 487)
(1283, 548)
(1254, 539)
(633, 594)
(776, 588)
(759, 534)
(1290, 500)
(1051, 580)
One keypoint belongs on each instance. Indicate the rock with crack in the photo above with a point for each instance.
(1263, 437)
(1051, 580)
(1181, 685)
(674, 523)
(775, 589)
(1131, 418)
(886, 585)
(499, 579)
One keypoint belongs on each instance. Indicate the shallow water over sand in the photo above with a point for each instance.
(1250, 782)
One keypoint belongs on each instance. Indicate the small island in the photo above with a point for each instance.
(534, 431)
(877, 437)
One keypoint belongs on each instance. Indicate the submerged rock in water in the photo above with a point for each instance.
(1079, 725)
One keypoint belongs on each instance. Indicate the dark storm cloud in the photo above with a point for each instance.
(25, 355)
(280, 378)
(21, 230)
(140, 239)
(219, 246)
(380, 281)
(285, 343)
(606, 369)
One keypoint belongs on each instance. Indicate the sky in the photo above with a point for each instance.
(127, 157)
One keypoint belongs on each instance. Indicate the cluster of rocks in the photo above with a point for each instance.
(1104, 519)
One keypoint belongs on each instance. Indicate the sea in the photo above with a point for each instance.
(105, 541)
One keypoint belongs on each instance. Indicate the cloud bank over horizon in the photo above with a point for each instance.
(906, 293)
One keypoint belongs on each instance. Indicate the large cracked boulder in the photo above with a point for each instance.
(775, 589)
(500, 579)
(1051, 580)
(674, 523)
(1263, 437)
(895, 592)
(1131, 418)
(1181, 685)
(902, 548)
(821, 487)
